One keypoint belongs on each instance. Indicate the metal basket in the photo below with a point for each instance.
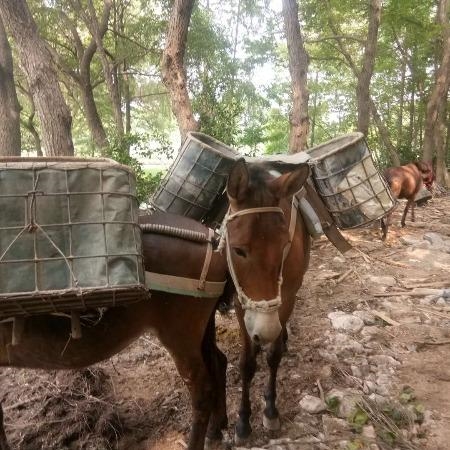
(196, 179)
(350, 185)
(69, 235)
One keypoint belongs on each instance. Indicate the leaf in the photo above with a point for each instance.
(333, 404)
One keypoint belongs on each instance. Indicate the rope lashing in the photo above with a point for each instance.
(245, 301)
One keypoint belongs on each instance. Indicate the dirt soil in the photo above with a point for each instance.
(137, 401)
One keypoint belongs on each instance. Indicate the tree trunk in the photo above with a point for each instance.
(435, 115)
(382, 128)
(401, 104)
(29, 123)
(9, 105)
(93, 119)
(83, 76)
(384, 133)
(97, 30)
(298, 68)
(412, 111)
(36, 60)
(314, 118)
(365, 75)
(173, 70)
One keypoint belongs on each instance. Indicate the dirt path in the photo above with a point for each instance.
(393, 338)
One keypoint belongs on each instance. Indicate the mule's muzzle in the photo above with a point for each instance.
(263, 327)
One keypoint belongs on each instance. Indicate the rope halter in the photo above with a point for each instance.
(245, 301)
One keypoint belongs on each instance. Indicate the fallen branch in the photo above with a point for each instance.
(385, 317)
(422, 343)
(319, 386)
(390, 294)
(344, 276)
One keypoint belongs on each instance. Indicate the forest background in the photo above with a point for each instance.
(129, 78)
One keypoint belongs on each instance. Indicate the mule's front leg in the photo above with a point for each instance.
(247, 366)
(200, 388)
(3, 442)
(271, 419)
(384, 228)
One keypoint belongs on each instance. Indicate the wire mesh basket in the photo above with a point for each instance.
(350, 185)
(195, 182)
(69, 235)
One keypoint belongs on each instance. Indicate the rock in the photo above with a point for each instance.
(410, 239)
(427, 260)
(367, 317)
(434, 239)
(334, 427)
(370, 333)
(328, 356)
(356, 371)
(368, 431)
(384, 280)
(344, 345)
(326, 372)
(345, 322)
(312, 404)
(339, 259)
(384, 360)
(423, 245)
(347, 400)
(369, 387)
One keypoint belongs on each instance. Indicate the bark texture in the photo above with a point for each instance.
(36, 60)
(435, 121)
(382, 128)
(9, 105)
(173, 70)
(97, 29)
(365, 75)
(82, 77)
(298, 68)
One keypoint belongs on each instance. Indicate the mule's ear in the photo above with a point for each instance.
(237, 184)
(290, 183)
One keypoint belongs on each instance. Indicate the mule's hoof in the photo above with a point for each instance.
(240, 441)
(271, 424)
(214, 444)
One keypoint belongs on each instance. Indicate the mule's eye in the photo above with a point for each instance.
(240, 252)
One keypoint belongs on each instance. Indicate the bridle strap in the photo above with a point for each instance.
(245, 301)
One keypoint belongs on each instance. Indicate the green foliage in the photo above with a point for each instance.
(333, 404)
(276, 132)
(119, 150)
(356, 444)
(230, 49)
(358, 419)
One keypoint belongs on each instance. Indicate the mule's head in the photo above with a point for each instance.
(427, 173)
(256, 241)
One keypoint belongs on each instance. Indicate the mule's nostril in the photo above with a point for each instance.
(256, 339)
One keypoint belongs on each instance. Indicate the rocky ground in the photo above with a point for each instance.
(366, 368)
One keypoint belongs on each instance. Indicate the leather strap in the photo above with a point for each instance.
(327, 222)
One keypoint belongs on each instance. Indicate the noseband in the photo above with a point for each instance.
(245, 301)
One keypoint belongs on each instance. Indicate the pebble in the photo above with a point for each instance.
(312, 404)
(346, 322)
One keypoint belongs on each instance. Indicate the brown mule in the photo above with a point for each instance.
(405, 182)
(184, 325)
(268, 253)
